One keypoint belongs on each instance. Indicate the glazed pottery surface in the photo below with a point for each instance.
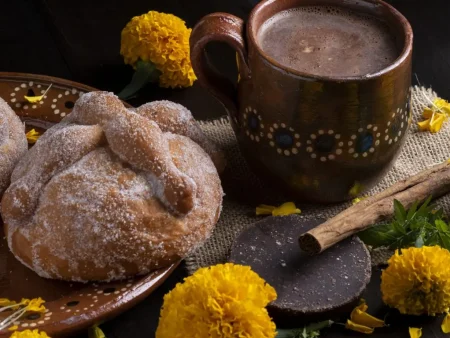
(318, 138)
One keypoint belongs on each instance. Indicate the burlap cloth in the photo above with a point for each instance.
(244, 191)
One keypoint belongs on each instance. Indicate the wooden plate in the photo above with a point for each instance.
(70, 306)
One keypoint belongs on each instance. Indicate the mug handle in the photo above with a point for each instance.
(226, 28)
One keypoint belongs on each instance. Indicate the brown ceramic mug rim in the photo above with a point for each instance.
(406, 51)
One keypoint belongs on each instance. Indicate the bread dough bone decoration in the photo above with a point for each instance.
(112, 192)
(13, 143)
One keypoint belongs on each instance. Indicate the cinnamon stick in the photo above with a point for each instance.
(434, 182)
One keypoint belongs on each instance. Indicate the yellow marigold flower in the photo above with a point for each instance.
(162, 39)
(415, 332)
(29, 334)
(285, 209)
(222, 301)
(34, 305)
(417, 281)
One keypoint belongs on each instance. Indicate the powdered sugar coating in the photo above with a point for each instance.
(100, 211)
(13, 143)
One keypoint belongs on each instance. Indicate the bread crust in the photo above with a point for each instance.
(108, 194)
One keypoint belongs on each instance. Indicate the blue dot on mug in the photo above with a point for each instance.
(284, 139)
(364, 142)
(252, 124)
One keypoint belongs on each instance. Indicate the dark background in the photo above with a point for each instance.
(80, 40)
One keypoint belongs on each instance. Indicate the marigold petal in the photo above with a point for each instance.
(285, 209)
(33, 99)
(415, 332)
(436, 122)
(361, 317)
(424, 125)
(445, 326)
(264, 209)
(358, 328)
(13, 328)
(427, 113)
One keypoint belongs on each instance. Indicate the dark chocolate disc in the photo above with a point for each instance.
(309, 288)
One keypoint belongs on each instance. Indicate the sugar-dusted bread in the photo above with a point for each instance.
(108, 193)
(13, 143)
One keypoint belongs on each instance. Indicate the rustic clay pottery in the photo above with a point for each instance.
(321, 139)
(70, 306)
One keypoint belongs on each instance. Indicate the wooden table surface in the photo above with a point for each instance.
(80, 40)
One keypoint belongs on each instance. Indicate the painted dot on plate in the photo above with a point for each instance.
(251, 136)
(393, 115)
(375, 128)
(275, 125)
(59, 96)
(390, 141)
(398, 109)
(369, 126)
(42, 91)
(294, 151)
(355, 155)
(271, 129)
(351, 150)
(92, 305)
(378, 134)
(68, 106)
(77, 310)
(353, 137)
(291, 129)
(287, 152)
(41, 322)
(297, 136)
(350, 143)
(372, 150)
(283, 125)
(34, 106)
(17, 89)
(247, 132)
(337, 136)
(256, 137)
(272, 143)
(13, 94)
(401, 125)
(66, 92)
(39, 86)
(331, 157)
(18, 105)
(62, 307)
(57, 112)
(123, 289)
(25, 324)
(13, 100)
(309, 149)
(74, 91)
(341, 144)
(321, 132)
(279, 151)
(47, 318)
(30, 84)
(106, 294)
(48, 314)
(53, 106)
(313, 136)
(364, 154)
(323, 159)
(23, 85)
(55, 100)
(400, 133)
(308, 142)
(395, 139)
(313, 155)
(41, 102)
(338, 151)
(33, 324)
(386, 138)
(377, 142)
(330, 132)
(128, 285)
(25, 107)
(85, 309)
(360, 130)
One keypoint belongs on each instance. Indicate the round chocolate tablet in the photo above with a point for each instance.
(309, 288)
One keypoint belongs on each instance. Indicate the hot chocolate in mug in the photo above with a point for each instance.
(322, 105)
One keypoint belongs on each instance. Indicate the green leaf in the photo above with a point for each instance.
(146, 72)
(441, 225)
(379, 235)
(310, 331)
(399, 212)
(433, 239)
(398, 228)
(424, 209)
(412, 211)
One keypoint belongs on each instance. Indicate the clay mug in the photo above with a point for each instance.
(320, 138)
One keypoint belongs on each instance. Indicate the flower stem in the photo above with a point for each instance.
(146, 72)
